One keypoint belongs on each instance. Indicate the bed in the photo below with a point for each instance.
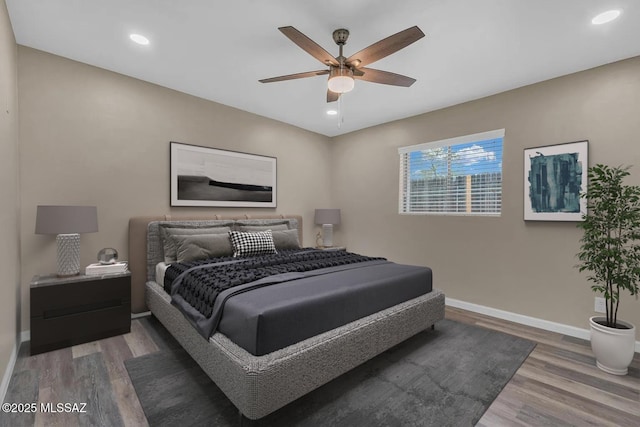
(259, 384)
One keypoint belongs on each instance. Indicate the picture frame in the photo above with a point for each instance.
(211, 177)
(554, 178)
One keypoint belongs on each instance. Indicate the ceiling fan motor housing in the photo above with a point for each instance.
(340, 36)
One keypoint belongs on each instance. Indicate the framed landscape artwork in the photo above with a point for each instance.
(203, 176)
(554, 177)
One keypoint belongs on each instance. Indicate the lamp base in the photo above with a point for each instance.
(68, 254)
(327, 235)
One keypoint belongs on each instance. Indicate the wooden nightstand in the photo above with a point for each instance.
(66, 311)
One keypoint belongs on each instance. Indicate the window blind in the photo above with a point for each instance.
(456, 176)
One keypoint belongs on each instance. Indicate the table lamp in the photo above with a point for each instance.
(67, 222)
(327, 218)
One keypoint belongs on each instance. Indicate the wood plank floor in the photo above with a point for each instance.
(558, 384)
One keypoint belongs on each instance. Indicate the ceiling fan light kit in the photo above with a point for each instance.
(344, 71)
(341, 80)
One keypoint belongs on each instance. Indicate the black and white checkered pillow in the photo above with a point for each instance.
(251, 244)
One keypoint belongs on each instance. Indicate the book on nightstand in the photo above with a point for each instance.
(99, 269)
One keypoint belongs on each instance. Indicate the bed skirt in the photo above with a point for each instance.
(259, 385)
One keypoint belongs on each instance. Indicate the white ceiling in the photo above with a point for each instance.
(218, 50)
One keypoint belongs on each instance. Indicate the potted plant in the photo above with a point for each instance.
(610, 252)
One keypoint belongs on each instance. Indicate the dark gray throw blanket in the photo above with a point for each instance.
(195, 286)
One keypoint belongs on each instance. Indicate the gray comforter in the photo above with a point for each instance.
(277, 310)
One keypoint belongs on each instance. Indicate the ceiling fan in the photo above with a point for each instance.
(342, 71)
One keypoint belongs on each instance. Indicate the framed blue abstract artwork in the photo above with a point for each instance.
(554, 178)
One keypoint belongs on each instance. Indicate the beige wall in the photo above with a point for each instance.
(9, 218)
(504, 263)
(91, 136)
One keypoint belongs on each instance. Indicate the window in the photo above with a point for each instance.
(457, 176)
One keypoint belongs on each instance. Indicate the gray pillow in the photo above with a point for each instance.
(272, 227)
(192, 247)
(286, 239)
(262, 223)
(169, 233)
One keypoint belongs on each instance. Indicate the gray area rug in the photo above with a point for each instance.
(445, 377)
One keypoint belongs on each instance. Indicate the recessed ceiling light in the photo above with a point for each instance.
(139, 39)
(332, 112)
(605, 17)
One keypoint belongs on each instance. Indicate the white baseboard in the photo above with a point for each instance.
(560, 328)
(8, 372)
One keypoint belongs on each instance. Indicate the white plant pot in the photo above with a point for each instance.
(613, 348)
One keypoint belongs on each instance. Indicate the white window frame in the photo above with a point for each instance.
(405, 178)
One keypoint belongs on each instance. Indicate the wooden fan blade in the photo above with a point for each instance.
(332, 96)
(384, 77)
(309, 46)
(385, 47)
(295, 76)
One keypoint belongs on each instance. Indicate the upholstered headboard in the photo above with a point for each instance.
(138, 228)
